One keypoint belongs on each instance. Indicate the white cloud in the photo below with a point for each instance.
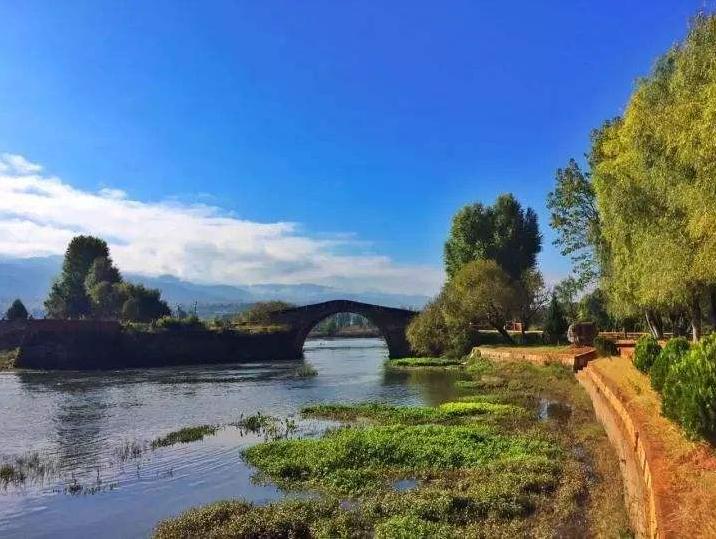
(39, 214)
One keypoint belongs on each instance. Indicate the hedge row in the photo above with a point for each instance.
(686, 378)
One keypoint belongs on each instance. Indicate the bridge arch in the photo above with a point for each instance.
(391, 322)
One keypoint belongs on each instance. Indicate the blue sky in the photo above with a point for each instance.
(366, 124)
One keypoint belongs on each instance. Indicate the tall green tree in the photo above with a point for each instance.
(504, 232)
(654, 186)
(91, 286)
(555, 325)
(575, 218)
(480, 294)
(68, 296)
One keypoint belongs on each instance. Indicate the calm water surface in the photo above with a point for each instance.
(80, 421)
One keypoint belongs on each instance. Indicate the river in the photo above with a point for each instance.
(82, 423)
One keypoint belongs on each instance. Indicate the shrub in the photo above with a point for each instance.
(605, 347)
(672, 353)
(178, 324)
(689, 392)
(261, 311)
(17, 311)
(645, 352)
(427, 333)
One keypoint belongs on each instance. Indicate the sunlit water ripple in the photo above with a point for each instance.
(80, 421)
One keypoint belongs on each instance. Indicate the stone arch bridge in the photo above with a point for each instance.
(391, 322)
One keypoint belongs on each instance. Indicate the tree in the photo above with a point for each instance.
(427, 333)
(532, 297)
(480, 294)
(566, 292)
(504, 232)
(654, 186)
(102, 270)
(102, 286)
(90, 285)
(575, 219)
(555, 325)
(260, 312)
(68, 296)
(17, 311)
(142, 304)
(593, 307)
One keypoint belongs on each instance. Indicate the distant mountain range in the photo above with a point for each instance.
(30, 278)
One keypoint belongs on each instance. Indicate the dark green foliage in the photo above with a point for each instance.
(689, 392)
(260, 312)
(427, 333)
(292, 519)
(605, 347)
(646, 351)
(185, 435)
(17, 311)
(102, 270)
(143, 304)
(91, 286)
(504, 232)
(593, 308)
(68, 297)
(672, 353)
(555, 324)
(180, 324)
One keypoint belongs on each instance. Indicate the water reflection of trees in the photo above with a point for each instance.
(77, 410)
(436, 385)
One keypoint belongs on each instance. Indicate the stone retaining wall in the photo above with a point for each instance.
(577, 359)
(646, 511)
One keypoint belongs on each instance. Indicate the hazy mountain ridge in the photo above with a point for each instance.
(30, 279)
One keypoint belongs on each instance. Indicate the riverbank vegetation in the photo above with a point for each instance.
(185, 435)
(490, 464)
(424, 362)
(8, 358)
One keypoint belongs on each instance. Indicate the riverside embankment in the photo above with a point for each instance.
(669, 481)
(87, 345)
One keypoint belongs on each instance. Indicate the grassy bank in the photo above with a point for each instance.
(683, 470)
(495, 463)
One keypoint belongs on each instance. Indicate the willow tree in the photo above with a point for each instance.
(654, 184)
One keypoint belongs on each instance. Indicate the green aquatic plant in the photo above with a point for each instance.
(392, 448)
(306, 370)
(185, 435)
(424, 362)
(408, 415)
(271, 427)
